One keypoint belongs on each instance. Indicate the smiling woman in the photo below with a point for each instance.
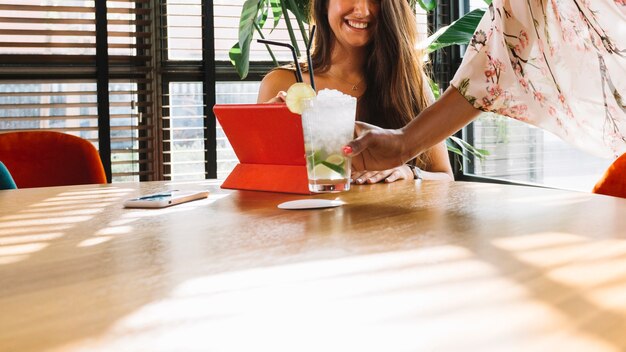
(366, 48)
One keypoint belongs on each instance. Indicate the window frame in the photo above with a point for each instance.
(100, 68)
(209, 71)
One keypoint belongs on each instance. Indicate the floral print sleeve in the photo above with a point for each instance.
(557, 64)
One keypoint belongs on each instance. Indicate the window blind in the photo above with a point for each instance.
(48, 75)
(134, 130)
(181, 27)
(183, 99)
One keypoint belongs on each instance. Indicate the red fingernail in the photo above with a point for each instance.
(347, 150)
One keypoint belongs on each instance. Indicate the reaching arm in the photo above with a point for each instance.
(380, 149)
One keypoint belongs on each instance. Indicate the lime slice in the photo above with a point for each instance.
(314, 158)
(318, 156)
(296, 94)
(323, 172)
(336, 159)
(336, 168)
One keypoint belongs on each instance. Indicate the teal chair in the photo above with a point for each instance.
(6, 181)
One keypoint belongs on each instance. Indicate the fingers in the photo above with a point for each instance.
(370, 177)
(391, 175)
(362, 141)
(379, 176)
(395, 176)
(279, 98)
(365, 177)
(362, 127)
(359, 177)
(358, 145)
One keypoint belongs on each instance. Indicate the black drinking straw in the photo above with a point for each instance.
(293, 52)
(308, 57)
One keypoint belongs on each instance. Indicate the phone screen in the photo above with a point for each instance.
(165, 199)
(156, 197)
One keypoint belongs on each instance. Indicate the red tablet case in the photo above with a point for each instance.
(268, 141)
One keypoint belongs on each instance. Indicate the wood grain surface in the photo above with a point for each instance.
(425, 266)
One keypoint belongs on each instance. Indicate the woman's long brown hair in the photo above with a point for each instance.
(394, 70)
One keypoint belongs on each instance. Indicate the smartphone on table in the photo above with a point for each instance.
(165, 199)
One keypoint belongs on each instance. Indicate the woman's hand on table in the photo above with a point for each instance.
(391, 175)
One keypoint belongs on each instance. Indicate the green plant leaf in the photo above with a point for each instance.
(468, 148)
(264, 12)
(303, 8)
(248, 16)
(249, 13)
(297, 11)
(277, 12)
(290, 31)
(434, 87)
(455, 150)
(240, 60)
(427, 5)
(488, 2)
(458, 32)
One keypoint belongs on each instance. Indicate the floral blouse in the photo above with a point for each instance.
(557, 64)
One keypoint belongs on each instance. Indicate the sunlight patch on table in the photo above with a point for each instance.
(62, 208)
(114, 230)
(48, 213)
(105, 235)
(11, 259)
(34, 229)
(552, 200)
(591, 270)
(21, 249)
(415, 299)
(30, 238)
(589, 274)
(122, 222)
(43, 220)
(549, 249)
(102, 203)
(105, 198)
(99, 191)
(94, 241)
(538, 241)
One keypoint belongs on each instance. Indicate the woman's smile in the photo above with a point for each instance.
(357, 24)
(353, 21)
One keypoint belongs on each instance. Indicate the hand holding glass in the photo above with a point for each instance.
(328, 125)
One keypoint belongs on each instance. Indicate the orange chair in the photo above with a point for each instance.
(44, 159)
(613, 182)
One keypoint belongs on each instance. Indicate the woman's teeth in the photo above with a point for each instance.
(359, 25)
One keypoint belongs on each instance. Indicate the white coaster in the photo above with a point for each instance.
(311, 204)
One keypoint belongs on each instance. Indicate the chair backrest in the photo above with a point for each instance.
(6, 180)
(613, 182)
(44, 158)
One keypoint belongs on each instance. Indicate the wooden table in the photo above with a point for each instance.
(432, 266)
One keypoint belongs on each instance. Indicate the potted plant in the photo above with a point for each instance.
(254, 19)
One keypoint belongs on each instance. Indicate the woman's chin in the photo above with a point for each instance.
(360, 44)
(351, 41)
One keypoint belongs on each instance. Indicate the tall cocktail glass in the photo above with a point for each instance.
(328, 125)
